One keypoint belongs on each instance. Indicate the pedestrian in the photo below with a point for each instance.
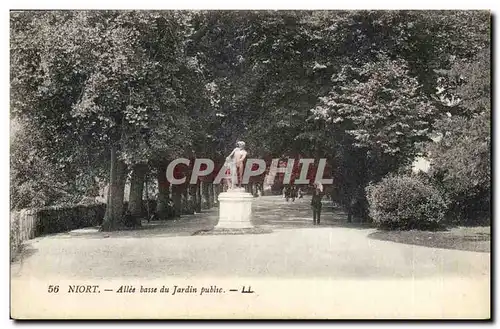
(316, 202)
(259, 190)
(293, 193)
(287, 192)
(129, 220)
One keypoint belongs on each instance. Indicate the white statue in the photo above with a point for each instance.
(236, 163)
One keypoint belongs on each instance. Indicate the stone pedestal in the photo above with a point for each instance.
(235, 209)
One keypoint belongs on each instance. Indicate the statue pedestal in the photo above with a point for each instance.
(235, 209)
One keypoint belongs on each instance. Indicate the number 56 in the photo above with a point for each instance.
(53, 289)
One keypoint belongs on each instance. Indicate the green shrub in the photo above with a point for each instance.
(461, 165)
(405, 202)
(65, 218)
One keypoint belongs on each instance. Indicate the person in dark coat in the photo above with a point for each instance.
(293, 193)
(316, 202)
(288, 192)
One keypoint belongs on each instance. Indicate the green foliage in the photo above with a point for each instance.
(104, 78)
(461, 156)
(379, 110)
(380, 106)
(465, 88)
(39, 179)
(156, 85)
(90, 81)
(461, 163)
(376, 116)
(33, 181)
(405, 202)
(64, 218)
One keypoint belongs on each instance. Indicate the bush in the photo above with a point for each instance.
(405, 202)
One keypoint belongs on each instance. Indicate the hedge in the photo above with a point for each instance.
(29, 224)
(69, 217)
(406, 202)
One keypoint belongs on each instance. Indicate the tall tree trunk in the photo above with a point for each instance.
(252, 188)
(205, 196)
(210, 195)
(192, 196)
(177, 198)
(349, 214)
(114, 208)
(136, 192)
(187, 203)
(198, 197)
(108, 193)
(146, 190)
(217, 191)
(163, 193)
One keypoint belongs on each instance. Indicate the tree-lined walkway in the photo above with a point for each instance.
(295, 248)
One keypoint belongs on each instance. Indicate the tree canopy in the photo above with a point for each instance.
(105, 94)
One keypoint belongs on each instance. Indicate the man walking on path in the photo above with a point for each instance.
(316, 202)
(293, 193)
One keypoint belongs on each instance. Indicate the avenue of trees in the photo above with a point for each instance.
(111, 96)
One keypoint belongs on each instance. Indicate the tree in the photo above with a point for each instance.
(126, 92)
(43, 85)
(461, 155)
(33, 181)
(380, 106)
(380, 115)
(103, 75)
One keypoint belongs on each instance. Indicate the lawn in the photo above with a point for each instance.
(460, 238)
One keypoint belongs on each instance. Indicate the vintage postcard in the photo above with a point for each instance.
(225, 164)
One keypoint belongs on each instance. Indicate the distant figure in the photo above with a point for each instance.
(154, 216)
(288, 192)
(258, 190)
(300, 193)
(128, 219)
(316, 202)
(293, 193)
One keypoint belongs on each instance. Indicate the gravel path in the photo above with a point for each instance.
(295, 249)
